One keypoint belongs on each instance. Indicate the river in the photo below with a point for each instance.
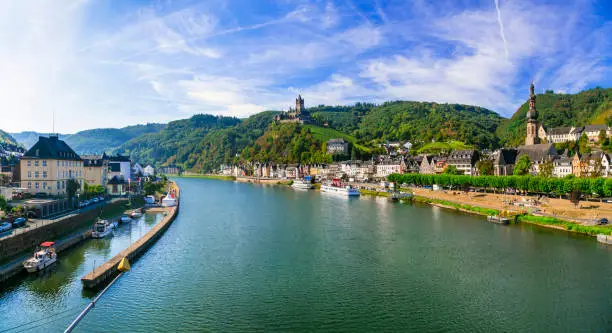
(242, 257)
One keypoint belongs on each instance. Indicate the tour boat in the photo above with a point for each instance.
(103, 228)
(125, 218)
(42, 258)
(336, 187)
(302, 184)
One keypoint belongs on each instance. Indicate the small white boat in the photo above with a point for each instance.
(336, 187)
(42, 258)
(135, 215)
(103, 228)
(125, 219)
(169, 200)
(604, 239)
(498, 219)
(302, 184)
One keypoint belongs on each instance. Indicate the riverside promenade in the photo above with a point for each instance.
(109, 269)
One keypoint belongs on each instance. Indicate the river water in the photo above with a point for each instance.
(244, 257)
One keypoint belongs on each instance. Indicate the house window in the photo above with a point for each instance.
(44, 174)
(44, 163)
(58, 185)
(57, 162)
(29, 163)
(63, 184)
(36, 174)
(29, 174)
(44, 185)
(36, 185)
(35, 163)
(29, 184)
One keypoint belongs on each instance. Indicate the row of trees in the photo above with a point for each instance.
(599, 187)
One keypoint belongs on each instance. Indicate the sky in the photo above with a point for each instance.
(112, 63)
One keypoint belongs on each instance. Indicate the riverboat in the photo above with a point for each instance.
(498, 219)
(302, 184)
(336, 187)
(125, 218)
(397, 196)
(103, 228)
(42, 258)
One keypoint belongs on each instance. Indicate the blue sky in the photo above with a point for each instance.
(110, 63)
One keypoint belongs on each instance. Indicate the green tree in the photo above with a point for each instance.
(583, 144)
(452, 170)
(602, 136)
(574, 197)
(485, 167)
(72, 187)
(546, 169)
(522, 166)
(3, 204)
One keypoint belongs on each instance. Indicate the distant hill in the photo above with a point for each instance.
(94, 141)
(8, 142)
(592, 106)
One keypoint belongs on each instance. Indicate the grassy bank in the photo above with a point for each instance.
(569, 226)
(220, 177)
(469, 208)
(374, 193)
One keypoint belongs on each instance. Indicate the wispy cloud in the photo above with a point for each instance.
(501, 27)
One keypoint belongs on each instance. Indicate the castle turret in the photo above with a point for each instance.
(299, 105)
(532, 137)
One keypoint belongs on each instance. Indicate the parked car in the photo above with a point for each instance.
(95, 200)
(5, 226)
(602, 220)
(81, 204)
(19, 222)
(101, 198)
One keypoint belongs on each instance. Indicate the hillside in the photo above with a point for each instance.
(588, 107)
(422, 122)
(8, 143)
(93, 141)
(174, 143)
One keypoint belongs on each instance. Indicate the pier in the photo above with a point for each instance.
(109, 269)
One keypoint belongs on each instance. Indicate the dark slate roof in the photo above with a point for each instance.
(538, 152)
(51, 148)
(559, 130)
(337, 140)
(94, 160)
(595, 128)
(506, 156)
(119, 158)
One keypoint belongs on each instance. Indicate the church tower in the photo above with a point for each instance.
(299, 105)
(532, 137)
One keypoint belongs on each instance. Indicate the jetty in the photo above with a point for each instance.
(110, 269)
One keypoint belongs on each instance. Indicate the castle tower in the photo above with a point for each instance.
(299, 105)
(532, 137)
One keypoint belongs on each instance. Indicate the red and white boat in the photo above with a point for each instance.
(43, 258)
(336, 187)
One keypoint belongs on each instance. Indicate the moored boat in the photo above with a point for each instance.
(336, 187)
(125, 218)
(604, 239)
(135, 214)
(302, 184)
(42, 258)
(103, 228)
(498, 219)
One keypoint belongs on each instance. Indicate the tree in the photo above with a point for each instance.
(452, 170)
(595, 167)
(574, 197)
(485, 167)
(522, 166)
(546, 169)
(72, 187)
(3, 204)
(602, 136)
(583, 144)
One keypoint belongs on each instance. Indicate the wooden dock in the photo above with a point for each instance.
(108, 270)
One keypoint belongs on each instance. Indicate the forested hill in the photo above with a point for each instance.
(554, 110)
(7, 142)
(174, 143)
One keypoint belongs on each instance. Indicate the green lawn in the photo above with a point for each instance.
(324, 134)
(437, 147)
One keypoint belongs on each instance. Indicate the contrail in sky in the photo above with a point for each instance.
(501, 27)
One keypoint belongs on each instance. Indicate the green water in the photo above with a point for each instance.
(243, 258)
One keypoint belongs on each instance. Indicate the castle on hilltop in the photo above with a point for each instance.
(298, 115)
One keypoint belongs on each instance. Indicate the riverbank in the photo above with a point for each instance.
(206, 176)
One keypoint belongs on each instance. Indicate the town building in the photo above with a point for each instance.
(95, 169)
(594, 164)
(532, 137)
(137, 171)
(592, 131)
(503, 161)
(149, 171)
(49, 165)
(117, 186)
(464, 160)
(538, 154)
(337, 147)
(119, 166)
(298, 115)
(387, 167)
(560, 134)
(562, 166)
(428, 165)
(411, 164)
(169, 170)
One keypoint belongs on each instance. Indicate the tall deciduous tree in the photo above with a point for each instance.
(485, 167)
(522, 166)
(546, 169)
